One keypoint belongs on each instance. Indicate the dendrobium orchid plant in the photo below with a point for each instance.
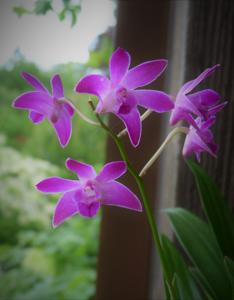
(120, 96)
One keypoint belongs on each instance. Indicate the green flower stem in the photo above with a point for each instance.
(140, 184)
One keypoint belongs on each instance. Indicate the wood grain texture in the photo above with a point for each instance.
(210, 40)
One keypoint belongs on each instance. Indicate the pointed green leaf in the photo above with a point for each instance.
(199, 243)
(62, 14)
(175, 264)
(217, 211)
(73, 17)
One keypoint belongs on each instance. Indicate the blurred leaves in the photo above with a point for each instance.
(218, 213)
(42, 7)
(36, 261)
(20, 10)
(209, 245)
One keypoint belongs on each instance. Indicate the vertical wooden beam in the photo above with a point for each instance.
(125, 243)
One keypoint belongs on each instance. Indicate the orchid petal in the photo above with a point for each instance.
(35, 117)
(144, 73)
(57, 87)
(88, 210)
(63, 127)
(93, 84)
(65, 208)
(205, 98)
(178, 114)
(154, 100)
(111, 171)
(36, 101)
(119, 64)
(69, 109)
(34, 82)
(215, 109)
(57, 185)
(116, 194)
(84, 171)
(99, 107)
(194, 143)
(190, 85)
(132, 122)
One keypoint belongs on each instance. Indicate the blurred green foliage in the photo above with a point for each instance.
(36, 261)
(42, 7)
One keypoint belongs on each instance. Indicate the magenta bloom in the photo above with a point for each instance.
(41, 104)
(87, 195)
(119, 95)
(200, 139)
(203, 104)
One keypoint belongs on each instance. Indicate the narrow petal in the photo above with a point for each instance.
(57, 185)
(63, 127)
(84, 171)
(88, 210)
(69, 109)
(35, 117)
(36, 101)
(154, 100)
(119, 64)
(144, 73)
(179, 114)
(195, 144)
(206, 97)
(93, 84)
(111, 171)
(190, 85)
(57, 87)
(132, 122)
(34, 82)
(215, 109)
(116, 194)
(65, 208)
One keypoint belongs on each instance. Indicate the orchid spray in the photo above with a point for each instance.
(121, 94)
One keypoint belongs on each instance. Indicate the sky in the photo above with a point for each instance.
(47, 41)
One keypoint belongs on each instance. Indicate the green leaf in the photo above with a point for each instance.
(73, 17)
(199, 243)
(20, 11)
(42, 7)
(217, 211)
(62, 14)
(178, 270)
(229, 264)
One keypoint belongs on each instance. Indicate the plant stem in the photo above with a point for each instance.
(140, 184)
(161, 148)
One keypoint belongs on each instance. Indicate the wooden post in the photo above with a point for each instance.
(125, 243)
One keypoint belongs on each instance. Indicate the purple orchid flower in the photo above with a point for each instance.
(200, 139)
(87, 195)
(203, 104)
(41, 104)
(119, 95)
